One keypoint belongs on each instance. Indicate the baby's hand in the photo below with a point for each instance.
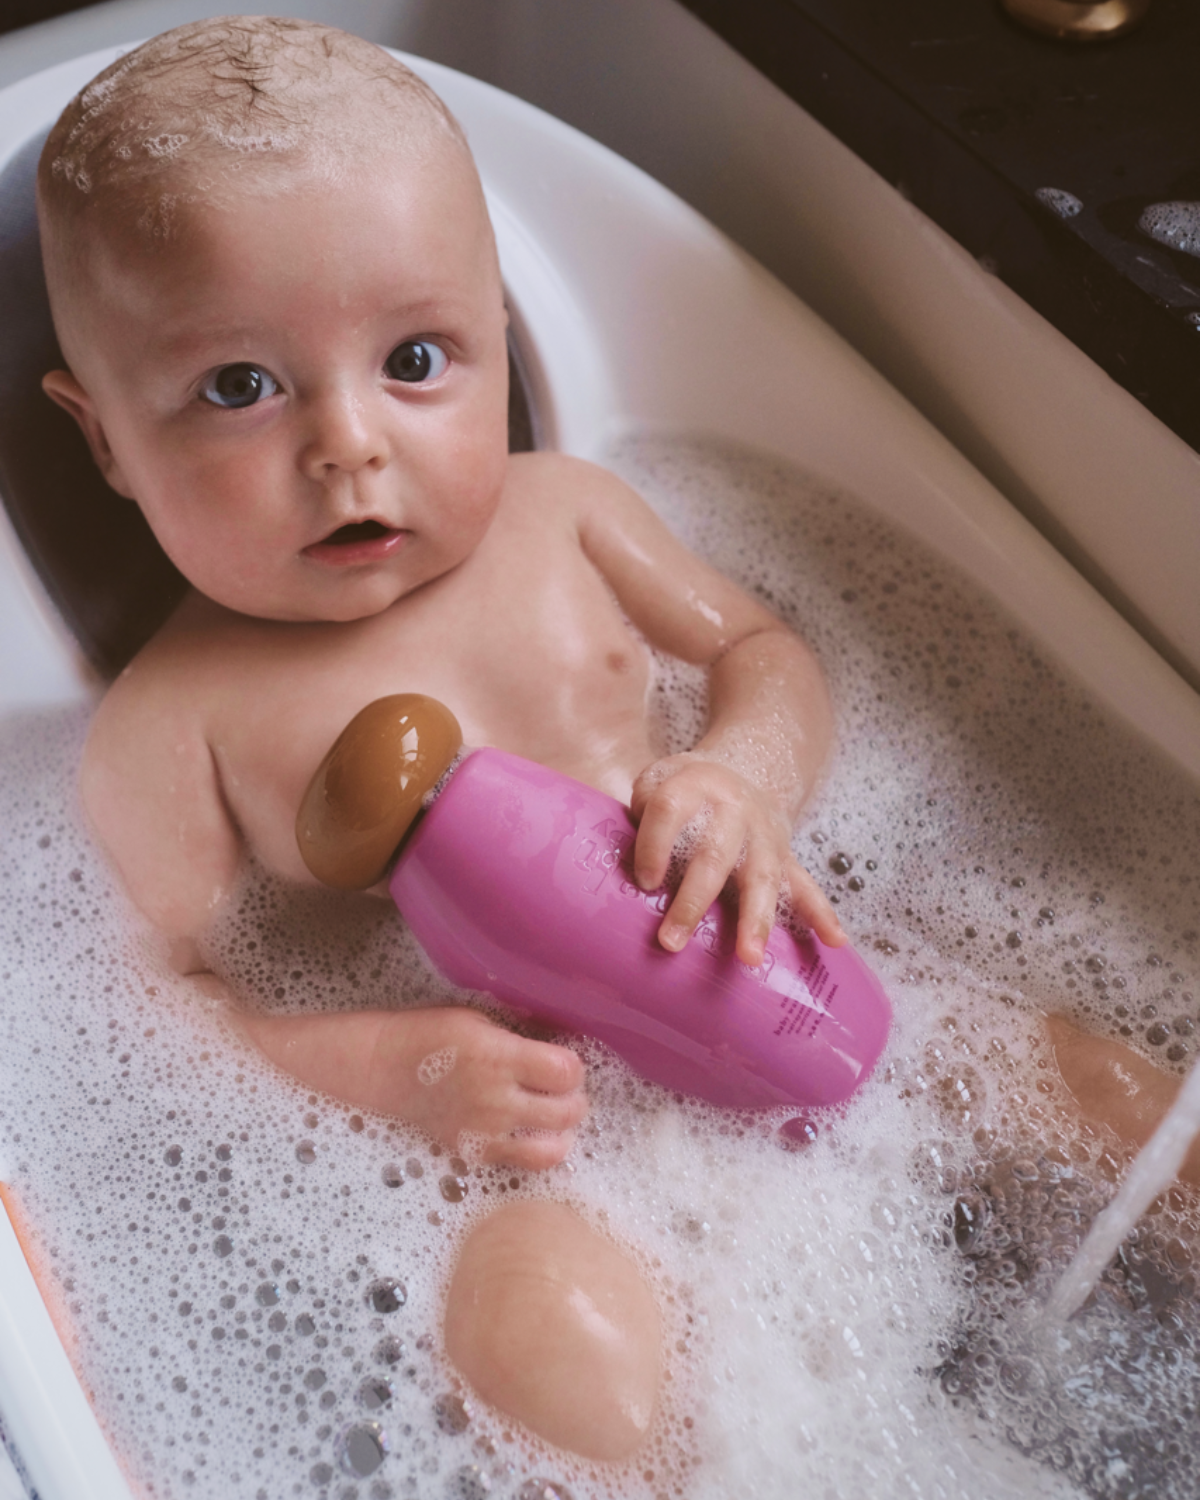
(728, 827)
(485, 1092)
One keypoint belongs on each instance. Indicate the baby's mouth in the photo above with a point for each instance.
(358, 542)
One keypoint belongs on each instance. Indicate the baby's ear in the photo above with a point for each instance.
(62, 387)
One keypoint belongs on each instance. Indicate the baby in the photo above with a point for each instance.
(276, 288)
(275, 284)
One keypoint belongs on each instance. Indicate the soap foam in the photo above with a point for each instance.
(1176, 225)
(1058, 200)
(256, 1272)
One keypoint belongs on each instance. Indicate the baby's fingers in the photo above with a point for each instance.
(704, 879)
(666, 814)
(811, 905)
(758, 896)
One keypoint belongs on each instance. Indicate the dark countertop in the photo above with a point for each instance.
(973, 117)
(17, 13)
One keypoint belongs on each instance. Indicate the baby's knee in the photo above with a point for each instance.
(1111, 1083)
(555, 1326)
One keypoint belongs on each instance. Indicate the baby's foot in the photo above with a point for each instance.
(553, 1325)
(492, 1095)
(1115, 1086)
(481, 1090)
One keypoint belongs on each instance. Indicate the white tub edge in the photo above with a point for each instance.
(48, 1416)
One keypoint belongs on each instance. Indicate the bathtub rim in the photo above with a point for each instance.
(50, 1420)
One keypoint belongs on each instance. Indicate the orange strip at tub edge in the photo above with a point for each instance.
(52, 1298)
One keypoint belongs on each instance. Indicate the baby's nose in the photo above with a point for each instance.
(343, 436)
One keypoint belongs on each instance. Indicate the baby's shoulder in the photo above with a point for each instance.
(178, 673)
(560, 483)
(149, 783)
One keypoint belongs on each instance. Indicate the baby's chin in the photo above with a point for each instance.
(313, 606)
(328, 584)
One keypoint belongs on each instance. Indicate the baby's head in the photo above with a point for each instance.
(275, 283)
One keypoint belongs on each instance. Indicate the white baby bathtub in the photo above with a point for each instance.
(620, 296)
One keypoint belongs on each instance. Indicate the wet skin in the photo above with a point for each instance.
(1117, 1087)
(553, 1324)
(504, 586)
(305, 390)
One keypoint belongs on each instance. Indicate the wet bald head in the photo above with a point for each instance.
(194, 119)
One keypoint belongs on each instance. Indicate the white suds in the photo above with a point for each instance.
(256, 1272)
(1058, 200)
(436, 1066)
(1176, 225)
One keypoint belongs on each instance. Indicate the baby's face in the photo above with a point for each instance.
(306, 392)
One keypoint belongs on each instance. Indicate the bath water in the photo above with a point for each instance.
(1153, 1171)
(253, 1273)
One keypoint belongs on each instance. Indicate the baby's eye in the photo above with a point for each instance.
(237, 385)
(415, 360)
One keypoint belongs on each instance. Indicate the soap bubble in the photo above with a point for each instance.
(362, 1448)
(387, 1295)
(798, 1133)
(451, 1414)
(469, 1483)
(453, 1189)
(390, 1351)
(375, 1392)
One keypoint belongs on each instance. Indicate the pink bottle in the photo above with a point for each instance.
(517, 881)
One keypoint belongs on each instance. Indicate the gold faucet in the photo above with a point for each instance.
(1078, 20)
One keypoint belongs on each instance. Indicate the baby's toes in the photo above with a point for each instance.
(555, 1112)
(533, 1151)
(540, 1130)
(545, 1068)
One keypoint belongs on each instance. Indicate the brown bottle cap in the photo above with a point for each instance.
(369, 788)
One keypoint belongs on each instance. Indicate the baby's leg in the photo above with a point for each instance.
(450, 1071)
(553, 1325)
(1115, 1086)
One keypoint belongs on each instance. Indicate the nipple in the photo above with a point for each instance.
(367, 791)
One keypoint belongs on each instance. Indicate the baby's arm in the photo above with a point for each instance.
(153, 794)
(769, 734)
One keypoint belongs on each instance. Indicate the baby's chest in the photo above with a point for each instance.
(516, 645)
(542, 666)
